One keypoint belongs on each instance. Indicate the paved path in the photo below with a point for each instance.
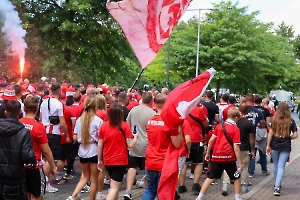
(262, 188)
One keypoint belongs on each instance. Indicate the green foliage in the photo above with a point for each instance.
(248, 57)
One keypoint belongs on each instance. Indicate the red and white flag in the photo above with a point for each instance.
(179, 103)
(147, 24)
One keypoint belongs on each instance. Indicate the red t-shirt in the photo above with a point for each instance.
(38, 136)
(83, 97)
(198, 113)
(77, 109)
(223, 152)
(158, 142)
(114, 143)
(69, 114)
(102, 114)
(225, 112)
(132, 105)
(186, 130)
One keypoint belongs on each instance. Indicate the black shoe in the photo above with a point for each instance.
(177, 196)
(182, 189)
(277, 192)
(196, 188)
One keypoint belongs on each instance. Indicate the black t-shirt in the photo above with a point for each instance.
(212, 109)
(246, 127)
(254, 115)
(125, 112)
(264, 111)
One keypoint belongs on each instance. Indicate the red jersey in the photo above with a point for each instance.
(83, 97)
(225, 111)
(77, 109)
(132, 105)
(223, 152)
(38, 136)
(186, 130)
(114, 143)
(102, 114)
(198, 113)
(69, 115)
(158, 142)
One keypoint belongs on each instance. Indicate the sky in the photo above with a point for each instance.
(270, 10)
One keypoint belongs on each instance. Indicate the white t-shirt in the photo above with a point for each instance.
(92, 149)
(56, 109)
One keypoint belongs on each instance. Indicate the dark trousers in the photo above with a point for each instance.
(72, 157)
(15, 192)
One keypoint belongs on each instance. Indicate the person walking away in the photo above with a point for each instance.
(51, 116)
(138, 117)
(159, 138)
(86, 132)
(199, 124)
(115, 132)
(226, 155)
(15, 151)
(283, 130)
(35, 177)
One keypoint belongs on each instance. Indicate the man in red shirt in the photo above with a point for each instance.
(159, 138)
(66, 147)
(35, 177)
(226, 155)
(231, 102)
(199, 124)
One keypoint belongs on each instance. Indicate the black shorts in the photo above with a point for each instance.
(136, 162)
(217, 169)
(55, 146)
(35, 181)
(196, 154)
(93, 159)
(116, 172)
(66, 151)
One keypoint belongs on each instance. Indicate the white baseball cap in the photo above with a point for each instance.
(44, 78)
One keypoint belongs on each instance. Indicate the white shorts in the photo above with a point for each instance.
(181, 163)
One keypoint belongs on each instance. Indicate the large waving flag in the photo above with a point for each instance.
(179, 103)
(147, 24)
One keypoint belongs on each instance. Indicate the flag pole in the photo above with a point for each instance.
(136, 80)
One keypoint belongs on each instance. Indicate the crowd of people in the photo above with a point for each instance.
(114, 132)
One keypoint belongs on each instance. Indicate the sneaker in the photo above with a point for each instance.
(245, 189)
(127, 195)
(265, 173)
(61, 181)
(215, 182)
(251, 175)
(100, 196)
(177, 196)
(196, 188)
(106, 181)
(277, 192)
(224, 190)
(51, 189)
(139, 184)
(76, 198)
(68, 176)
(182, 189)
(192, 176)
(86, 188)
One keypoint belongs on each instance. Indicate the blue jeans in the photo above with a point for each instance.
(262, 161)
(153, 178)
(17, 192)
(279, 160)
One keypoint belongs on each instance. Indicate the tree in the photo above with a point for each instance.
(76, 40)
(243, 50)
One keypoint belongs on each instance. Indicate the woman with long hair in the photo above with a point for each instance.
(86, 132)
(283, 130)
(115, 133)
